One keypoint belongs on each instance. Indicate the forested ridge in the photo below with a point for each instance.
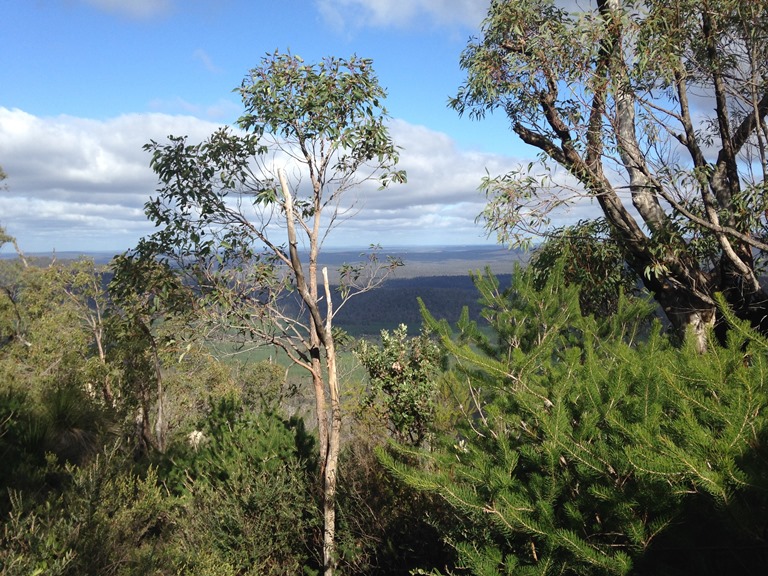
(397, 302)
(600, 410)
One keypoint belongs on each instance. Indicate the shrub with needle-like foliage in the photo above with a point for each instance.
(596, 446)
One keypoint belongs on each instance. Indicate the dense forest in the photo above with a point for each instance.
(215, 401)
(397, 302)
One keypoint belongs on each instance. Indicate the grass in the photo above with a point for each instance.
(349, 367)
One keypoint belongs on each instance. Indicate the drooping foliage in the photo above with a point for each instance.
(654, 111)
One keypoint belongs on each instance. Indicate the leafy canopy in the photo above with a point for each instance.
(654, 112)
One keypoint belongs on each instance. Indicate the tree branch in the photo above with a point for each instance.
(296, 266)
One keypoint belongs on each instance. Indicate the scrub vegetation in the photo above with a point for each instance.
(212, 403)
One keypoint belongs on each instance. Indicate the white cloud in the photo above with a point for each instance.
(205, 59)
(80, 184)
(223, 110)
(382, 13)
(139, 9)
(440, 202)
(343, 14)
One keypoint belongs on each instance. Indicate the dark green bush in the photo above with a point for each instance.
(385, 527)
(245, 480)
(105, 520)
(586, 451)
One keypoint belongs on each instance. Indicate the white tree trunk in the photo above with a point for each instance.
(334, 441)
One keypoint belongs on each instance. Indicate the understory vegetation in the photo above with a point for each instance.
(533, 439)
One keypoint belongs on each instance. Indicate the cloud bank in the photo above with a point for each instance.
(80, 184)
(383, 13)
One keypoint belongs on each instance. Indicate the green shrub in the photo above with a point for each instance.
(60, 421)
(587, 451)
(246, 491)
(106, 520)
(385, 527)
(403, 374)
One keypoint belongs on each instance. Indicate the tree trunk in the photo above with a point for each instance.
(684, 289)
(320, 335)
(334, 442)
(690, 315)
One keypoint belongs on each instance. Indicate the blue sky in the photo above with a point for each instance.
(84, 83)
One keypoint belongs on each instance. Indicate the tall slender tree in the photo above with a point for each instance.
(244, 216)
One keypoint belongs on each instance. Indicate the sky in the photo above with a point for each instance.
(84, 84)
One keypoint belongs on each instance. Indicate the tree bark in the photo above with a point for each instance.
(321, 335)
(684, 289)
(334, 441)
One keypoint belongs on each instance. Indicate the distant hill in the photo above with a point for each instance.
(418, 260)
(435, 261)
(45, 258)
(437, 275)
(396, 302)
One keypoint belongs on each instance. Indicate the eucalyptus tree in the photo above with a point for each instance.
(149, 300)
(244, 215)
(654, 111)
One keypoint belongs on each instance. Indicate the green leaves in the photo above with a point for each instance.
(525, 47)
(403, 373)
(246, 490)
(232, 235)
(605, 92)
(591, 258)
(219, 210)
(587, 451)
(330, 110)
